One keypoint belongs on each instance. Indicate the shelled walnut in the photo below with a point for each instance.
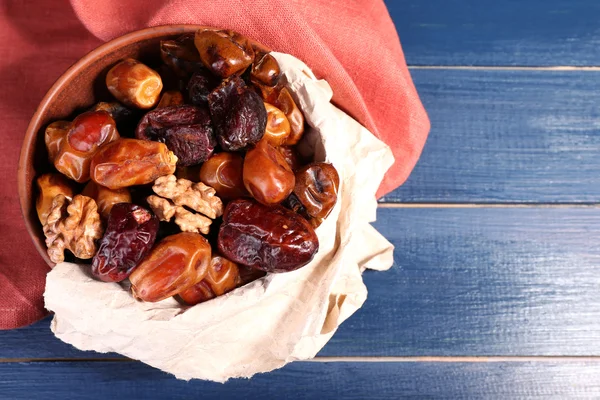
(174, 195)
(72, 225)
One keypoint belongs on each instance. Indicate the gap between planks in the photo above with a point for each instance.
(506, 68)
(488, 205)
(406, 359)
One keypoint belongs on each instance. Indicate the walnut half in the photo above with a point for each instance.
(174, 195)
(73, 226)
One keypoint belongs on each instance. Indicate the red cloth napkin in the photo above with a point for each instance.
(353, 44)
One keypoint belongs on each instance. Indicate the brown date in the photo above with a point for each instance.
(54, 135)
(292, 157)
(170, 98)
(89, 132)
(281, 98)
(129, 162)
(200, 86)
(238, 114)
(134, 84)
(224, 53)
(49, 186)
(271, 239)
(175, 264)
(129, 236)
(223, 276)
(181, 55)
(106, 198)
(266, 70)
(316, 188)
(223, 172)
(266, 174)
(278, 127)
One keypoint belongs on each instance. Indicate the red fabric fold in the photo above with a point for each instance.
(352, 44)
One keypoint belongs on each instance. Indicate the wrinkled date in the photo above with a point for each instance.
(186, 129)
(129, 236)
(49, 186)
(316, 188)
(272, 239)
(267, 175)
(281, 98)
(222, 277)
(129, 162)
(224, 53)
(200, 86)
(238, 113)
(181, 55)
(106, 198)
(88, 132)
(278, 127)
(175, 264)
(223, 172)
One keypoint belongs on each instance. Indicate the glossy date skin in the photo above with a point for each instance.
(238, 114)
(267, 175)
(181, 55)
(223, 172)
(316, 188)
(222, 277)
(106, 198)
(86, 135)
(175, 264)
(129, 236)
(224, 53)
(129, 162)
(271, 239)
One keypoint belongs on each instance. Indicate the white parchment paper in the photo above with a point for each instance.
(267, 323)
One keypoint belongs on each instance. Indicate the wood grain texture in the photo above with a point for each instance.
(507, 136)
(302, 380)
(467, 282)
(487, 32)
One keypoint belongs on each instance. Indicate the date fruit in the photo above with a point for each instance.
(134, 84)
(282, 99)
(291, 155)
(278, 127)
(106, 198)
(316, 188)
(271, 239)
(130, 234)
(185, 129)
(170, 98)
(54, 135)
(88, 133)
(267, 175)
(175, 264)
(223, 172)
(200, 86)
(49, 186)
(223, 276)
(238, 113)
(129, 162)
(116, 110)
(224, 53)
(181, 55)
(266, 70)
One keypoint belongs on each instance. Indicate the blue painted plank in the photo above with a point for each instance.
(489, 32)
(132, 380)
(468, 281)
(507, 136)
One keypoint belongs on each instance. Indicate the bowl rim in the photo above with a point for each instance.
(34, 123)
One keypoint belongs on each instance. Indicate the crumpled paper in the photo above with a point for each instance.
(267, 323)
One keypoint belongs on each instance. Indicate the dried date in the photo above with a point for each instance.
(271, 239)
(224, 53)
(134, 84)
(238, 113)
(175, 264)
(316, 188)
(223, 172)
(129, 236)
(181, 55)
(153, 125)
(106, 198)
(200, 86)
(222, 277)
(129, 162)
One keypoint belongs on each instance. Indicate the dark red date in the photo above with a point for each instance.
(200, 86)
(238, 114)
(129, 236)
(271, 239)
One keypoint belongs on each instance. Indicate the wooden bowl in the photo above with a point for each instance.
(77, 89)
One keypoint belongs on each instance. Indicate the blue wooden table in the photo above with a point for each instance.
(495, 291)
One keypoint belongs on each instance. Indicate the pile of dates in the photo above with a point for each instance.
(189, 182)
